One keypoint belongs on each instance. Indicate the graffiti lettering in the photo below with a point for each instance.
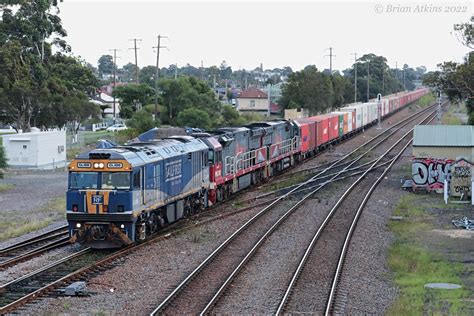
(461, 178)
(430, 173)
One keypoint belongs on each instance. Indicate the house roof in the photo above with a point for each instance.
(252, 93)
(443, 136)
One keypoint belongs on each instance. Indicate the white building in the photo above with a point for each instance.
(253, 100)
(36, 150)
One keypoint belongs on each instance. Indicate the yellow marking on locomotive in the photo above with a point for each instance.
(108, 165)
(91, 208)
(104, 206)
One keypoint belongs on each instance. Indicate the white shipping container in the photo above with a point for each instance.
(358, 110)
(38, 150)
(372, 111)
(349, 121)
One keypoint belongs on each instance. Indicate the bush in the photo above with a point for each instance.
(3, 161)
(142, 121)
(124, 136)
(194, 118)
(253, 117)
(232, 117)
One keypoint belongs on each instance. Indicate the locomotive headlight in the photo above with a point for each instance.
(101, 165)
(78, 225)
(96, 165)
(122, 226)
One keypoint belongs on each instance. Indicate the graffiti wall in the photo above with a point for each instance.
(429, 173)
(461, 178)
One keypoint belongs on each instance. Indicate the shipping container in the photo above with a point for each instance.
(307, 135)
(371, 108)
(343, 122)
(320, 130)
(333, 125)
(356, 115)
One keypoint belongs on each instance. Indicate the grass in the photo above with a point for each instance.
(6, 187)
(451, 119)
(285, 183)
(426, 100)
(414, 265)
(16, 223)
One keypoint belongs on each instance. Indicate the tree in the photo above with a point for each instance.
(34, 82)
(310, 89)
(3, 161)
(133, 97)
(465, 33)
(194, 118)
(231, 117)
(106, 65)
(147, 75)
(127, 72)
(456, 80)
(184, 93)
(142, 121)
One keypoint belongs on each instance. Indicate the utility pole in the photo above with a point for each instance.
(136, 59)
(368, 80)
(439, 108)
(396, 73)
(330, 59)
(157, 74)
(115, 79)
(355, 79)
(404, 84)
(176, 71)
(383, 80)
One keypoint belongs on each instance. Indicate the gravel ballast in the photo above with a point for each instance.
(145, 277)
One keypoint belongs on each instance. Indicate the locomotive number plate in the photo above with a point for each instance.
(97, 199)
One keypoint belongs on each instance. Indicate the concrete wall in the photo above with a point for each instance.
(444, 152)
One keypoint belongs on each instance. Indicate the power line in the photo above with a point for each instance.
(157, 74)
(136, 59)
(115, 81)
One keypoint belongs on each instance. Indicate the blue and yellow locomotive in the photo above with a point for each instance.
(120, 195)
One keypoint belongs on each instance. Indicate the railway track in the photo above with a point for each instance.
(202, 288)
(43, 284)
(32, 247)
(311, 181)
(330, 240)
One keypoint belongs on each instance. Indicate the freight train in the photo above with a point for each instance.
(121, 195)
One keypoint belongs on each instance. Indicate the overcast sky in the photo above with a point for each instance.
(275, 33)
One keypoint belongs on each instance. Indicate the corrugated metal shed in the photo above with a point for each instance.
(443, 136)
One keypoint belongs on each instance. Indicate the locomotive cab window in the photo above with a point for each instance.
(136, 180)
(218, 156)
(116, 180)
(210, 157)
(83, 180)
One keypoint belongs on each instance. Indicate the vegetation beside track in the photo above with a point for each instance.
(455, 115)
(415, 260)
(6, 186)
(13, 223)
